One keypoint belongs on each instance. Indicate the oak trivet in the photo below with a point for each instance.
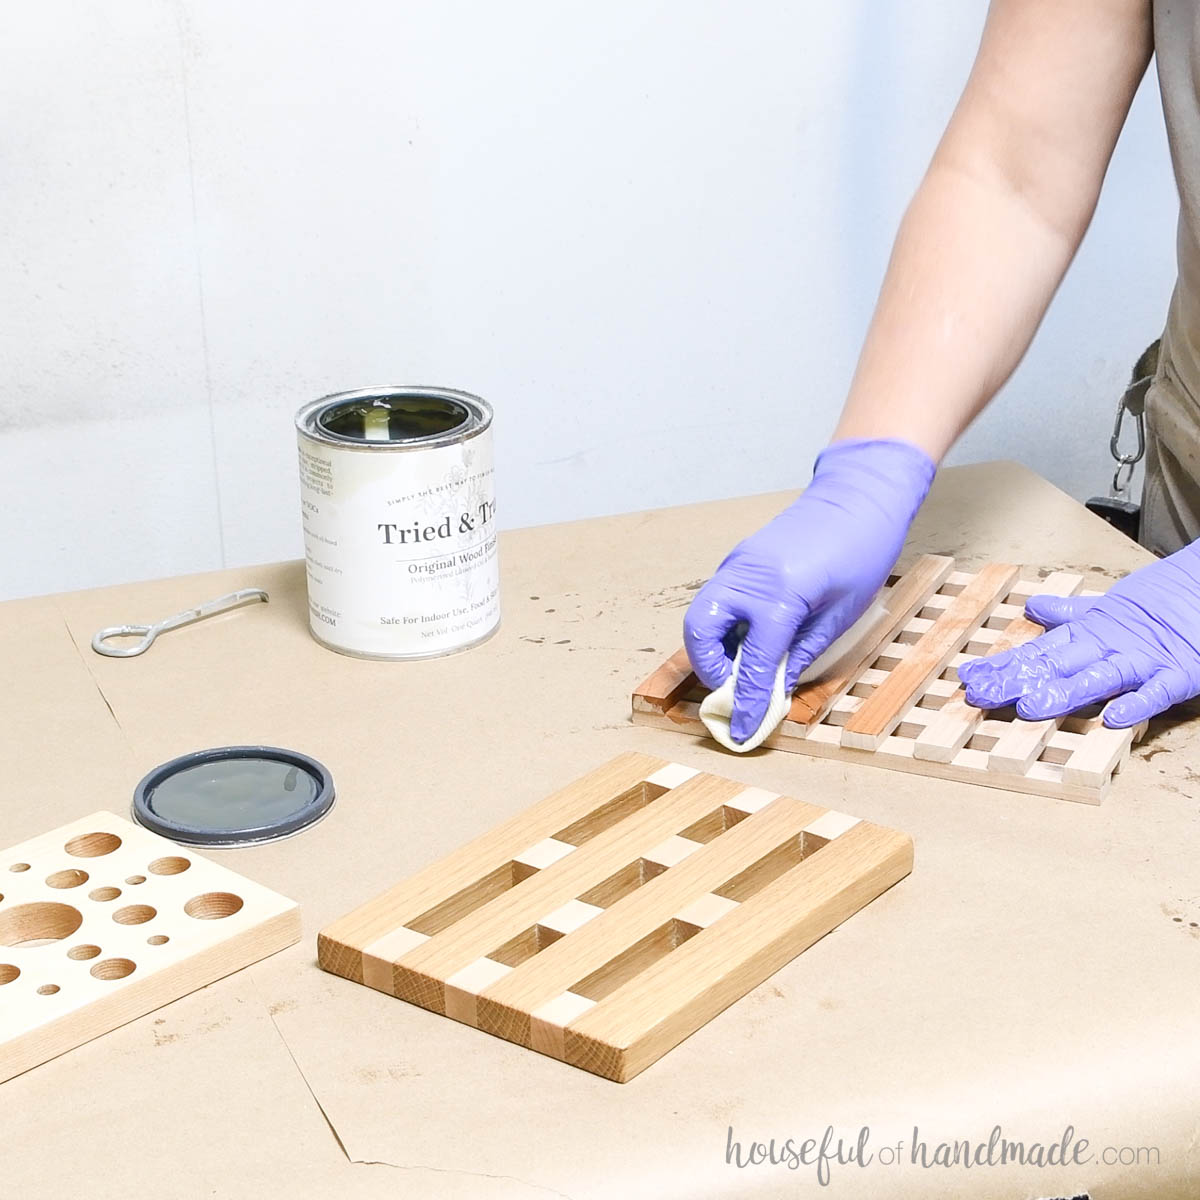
(609, 921)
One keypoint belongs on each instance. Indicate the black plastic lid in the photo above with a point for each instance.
(234, 796)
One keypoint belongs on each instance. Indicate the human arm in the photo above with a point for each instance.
(999, 215)
(979, 255)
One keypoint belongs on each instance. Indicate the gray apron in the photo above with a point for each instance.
(1171, 492)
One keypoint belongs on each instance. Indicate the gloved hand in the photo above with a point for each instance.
(1140, 643)
(809, 574)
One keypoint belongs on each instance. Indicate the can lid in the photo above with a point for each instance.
(234, 796)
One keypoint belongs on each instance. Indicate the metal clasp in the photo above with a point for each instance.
(1133, 402)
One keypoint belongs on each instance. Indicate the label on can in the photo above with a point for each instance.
(400, 546)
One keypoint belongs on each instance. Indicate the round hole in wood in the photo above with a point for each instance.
(133, 880)
(48, 989)
(17, 868)
(113, 968)
(92, 845)
(104, 893)
(83, 951)
(67, 879)
(38, 924)
(212, 906)
(171, 865)
(159, 939)
(8, 972)
(135, 914)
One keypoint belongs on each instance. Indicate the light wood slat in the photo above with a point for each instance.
(953, 728)
(570, 916)
(916, 627)
(1000, 615)
(985, 637)
(547, 1024)
(935, 687)
(967, 766)
(978, 645)
(463, 987)
(706, 910)
(1003, 613)
(1020, 745)
(823, 740)
(884, 708)
(1024, 588)
(1020, 591)
(958, 720)
(379, 917)
(1070, 742)
(1102, 753)
(504, 1007)
(626, 1031)
(417, 975)
(672, 851)
(906, 597)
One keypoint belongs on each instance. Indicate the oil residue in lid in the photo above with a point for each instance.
(401, 417)
(234, 795)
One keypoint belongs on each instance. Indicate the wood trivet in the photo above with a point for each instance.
(893, 698)
(606, 923)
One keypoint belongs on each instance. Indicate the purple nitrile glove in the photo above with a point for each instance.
(809, 574)
(1140, 642)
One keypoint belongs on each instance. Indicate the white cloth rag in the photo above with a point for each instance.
(717, 707)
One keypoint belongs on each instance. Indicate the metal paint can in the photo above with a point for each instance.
(397, 491)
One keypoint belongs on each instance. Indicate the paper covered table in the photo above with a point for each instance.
(1040, 968)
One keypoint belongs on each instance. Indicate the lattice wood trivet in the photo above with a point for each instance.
(893, 698)
(617, 916)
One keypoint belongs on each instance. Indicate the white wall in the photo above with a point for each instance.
(650, 233)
